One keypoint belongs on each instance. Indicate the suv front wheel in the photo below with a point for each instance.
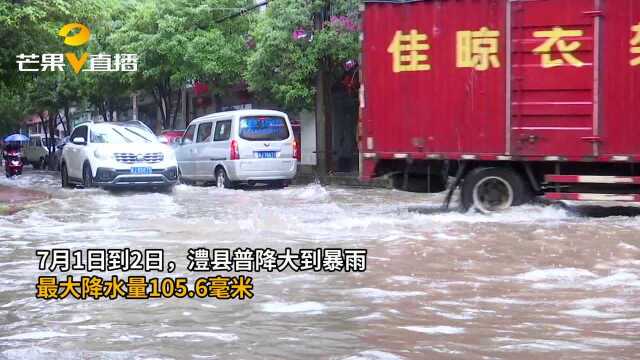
(64, 176)
(87, 176)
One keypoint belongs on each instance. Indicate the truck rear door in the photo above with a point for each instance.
(620, 125)
(553, 77)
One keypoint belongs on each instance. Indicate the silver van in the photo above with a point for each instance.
(36, 152)
(238, 147)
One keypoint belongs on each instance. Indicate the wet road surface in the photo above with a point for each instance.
(535, 282)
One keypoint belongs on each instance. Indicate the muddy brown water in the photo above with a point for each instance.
(534, 282)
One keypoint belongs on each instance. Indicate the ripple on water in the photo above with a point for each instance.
(432, 330)
(308, 307)
(374, 355)
(384, 294)
(40, 335)
(224, 337)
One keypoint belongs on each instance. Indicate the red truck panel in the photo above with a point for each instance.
(444, 109)
(620, 122)
(435, 79)
(552, 100)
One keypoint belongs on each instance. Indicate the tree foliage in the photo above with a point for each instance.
(177, 42)
(30, 27)
(181, 41)
(285, 69)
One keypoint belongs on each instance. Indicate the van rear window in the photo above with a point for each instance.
(263, 128)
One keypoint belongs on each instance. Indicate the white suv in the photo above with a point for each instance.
(117, 155)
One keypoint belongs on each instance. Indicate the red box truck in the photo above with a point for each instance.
(514, 98)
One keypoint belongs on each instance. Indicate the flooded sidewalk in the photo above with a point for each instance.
(14, 198)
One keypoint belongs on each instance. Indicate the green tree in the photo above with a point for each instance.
(25, 28)
(107, 92)
(180, 41)
(31, 27)
(288, 71)
(11, 109)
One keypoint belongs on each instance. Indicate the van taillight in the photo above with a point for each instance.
(296, 151)
(234, 153)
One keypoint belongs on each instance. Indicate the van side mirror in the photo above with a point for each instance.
(79, 141)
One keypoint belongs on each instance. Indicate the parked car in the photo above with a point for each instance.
(36, 152)
(170, 137)
(239, 147)
(117, 155)
(57, 155)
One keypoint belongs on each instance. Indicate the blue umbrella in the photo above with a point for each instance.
(16, 138)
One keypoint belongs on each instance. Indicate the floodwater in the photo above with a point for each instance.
(534, 282)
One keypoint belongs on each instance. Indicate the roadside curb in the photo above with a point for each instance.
(342, 180)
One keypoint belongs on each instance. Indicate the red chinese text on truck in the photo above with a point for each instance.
(514, 98)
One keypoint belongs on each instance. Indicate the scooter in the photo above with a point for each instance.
(12, 162)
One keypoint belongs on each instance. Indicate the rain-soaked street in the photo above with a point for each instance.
(534, 282)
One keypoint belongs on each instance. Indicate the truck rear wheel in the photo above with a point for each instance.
(493, 189)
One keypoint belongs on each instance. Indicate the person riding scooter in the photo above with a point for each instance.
(12, 159)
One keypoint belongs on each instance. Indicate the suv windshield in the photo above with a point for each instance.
(263, 128)
(120, 135)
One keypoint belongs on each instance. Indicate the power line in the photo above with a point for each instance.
(243, 11)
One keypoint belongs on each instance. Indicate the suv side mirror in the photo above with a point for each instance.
(79, 141)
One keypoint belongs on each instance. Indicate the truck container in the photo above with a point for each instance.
(513, 98)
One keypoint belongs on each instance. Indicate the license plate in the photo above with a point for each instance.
(266, 154)
(141, 170)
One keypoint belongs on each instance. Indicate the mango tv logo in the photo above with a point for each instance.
(79, 39)
(76, 35)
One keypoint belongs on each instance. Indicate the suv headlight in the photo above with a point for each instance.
(102, 154)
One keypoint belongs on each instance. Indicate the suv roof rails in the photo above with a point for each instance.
(136, 123)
